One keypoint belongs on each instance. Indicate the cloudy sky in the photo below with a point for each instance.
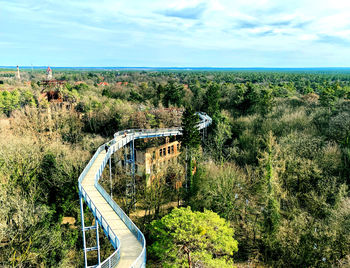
(182, 33)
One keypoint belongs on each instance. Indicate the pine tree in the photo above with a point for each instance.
(173, 94)
(211, 100)
(266, 101)
(190, 133)
(271, 194)
(271, 212)
(190, 141)
(183, 238)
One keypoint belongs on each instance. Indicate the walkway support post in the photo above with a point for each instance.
(83, 226)
(133, 172)
(97, 243)
(84, 229)
(125, 159)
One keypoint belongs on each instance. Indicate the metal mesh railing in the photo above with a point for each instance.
(111, 261)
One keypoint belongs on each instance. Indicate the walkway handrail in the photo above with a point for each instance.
(114, 145)
(109, 232)
(88, 166)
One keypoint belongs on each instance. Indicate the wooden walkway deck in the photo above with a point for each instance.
(130, 248)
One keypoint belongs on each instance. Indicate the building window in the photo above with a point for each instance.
(164, 151)
(172, 149)
(168, 149)
(160, 152)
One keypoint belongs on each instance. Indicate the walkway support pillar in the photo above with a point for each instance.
(97, 243)
(84, 229)
(83, 226)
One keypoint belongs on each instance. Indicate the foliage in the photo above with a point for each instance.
(266, 101)
(271, 207)
(211, 100)
(173, 94)
(190, 134)
(185, 238)
(327, 97)
(275, 164)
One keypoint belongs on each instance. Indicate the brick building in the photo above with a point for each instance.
(152, 161)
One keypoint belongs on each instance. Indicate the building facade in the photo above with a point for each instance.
(153, 161)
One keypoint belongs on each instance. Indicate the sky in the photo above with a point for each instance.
(175, 33)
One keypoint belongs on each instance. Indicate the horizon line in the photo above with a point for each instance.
(170, 67)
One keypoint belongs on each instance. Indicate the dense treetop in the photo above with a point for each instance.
(273, 167)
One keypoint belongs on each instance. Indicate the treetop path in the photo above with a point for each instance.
(128, 241)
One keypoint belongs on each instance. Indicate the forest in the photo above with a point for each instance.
(267, 183)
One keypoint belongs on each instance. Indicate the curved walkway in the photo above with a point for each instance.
(123, 234)
(130, 248)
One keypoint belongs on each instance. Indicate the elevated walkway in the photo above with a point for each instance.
(125, 237)
(131, 248)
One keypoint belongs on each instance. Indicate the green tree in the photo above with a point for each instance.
(27, 98)
(328, 97)
(159, 95)
(222, 133)
(183, 238)
(246, 98)
(173, 94)
(211, 100)
(190, 133)
(197, 99)
(9, 101)
(271, 211)
(266, 101)
(190, 141)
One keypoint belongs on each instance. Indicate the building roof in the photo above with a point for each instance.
(103, 84)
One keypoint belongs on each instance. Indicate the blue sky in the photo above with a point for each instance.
(181, 33)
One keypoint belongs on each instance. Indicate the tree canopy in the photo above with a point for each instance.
(190, 133)
(185, 238)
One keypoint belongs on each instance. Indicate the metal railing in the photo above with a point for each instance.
(122, 138)
(129, 223)
(102, 221)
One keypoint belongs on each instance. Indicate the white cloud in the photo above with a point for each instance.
(213, 25)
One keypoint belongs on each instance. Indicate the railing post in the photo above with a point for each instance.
(97, 242)
(83, 226)
(110, 175)
(125, 158)
(133, 157)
